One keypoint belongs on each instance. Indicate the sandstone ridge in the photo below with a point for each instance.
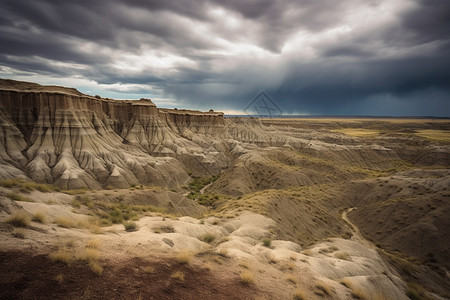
(59, 135)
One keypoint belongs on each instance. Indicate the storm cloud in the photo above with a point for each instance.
(354, 57)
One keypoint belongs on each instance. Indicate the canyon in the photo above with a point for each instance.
(333, 208)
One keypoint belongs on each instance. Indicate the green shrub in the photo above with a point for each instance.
(130, 226)
(267, 242)
(208, 238)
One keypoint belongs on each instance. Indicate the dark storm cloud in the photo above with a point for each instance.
(321, 56)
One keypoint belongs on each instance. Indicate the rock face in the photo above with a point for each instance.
(58, 135)
(61, 136)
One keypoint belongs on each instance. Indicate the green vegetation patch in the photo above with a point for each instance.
(358, 132)
(25, 186)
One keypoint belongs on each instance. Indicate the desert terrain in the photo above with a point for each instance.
(120, 199)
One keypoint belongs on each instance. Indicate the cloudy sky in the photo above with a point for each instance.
(352, 57)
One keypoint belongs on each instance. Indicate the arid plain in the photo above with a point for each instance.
(110, 199)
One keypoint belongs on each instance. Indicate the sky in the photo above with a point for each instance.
(306, 57)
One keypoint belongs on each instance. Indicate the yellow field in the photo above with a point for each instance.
(358, 132)
(438, 135)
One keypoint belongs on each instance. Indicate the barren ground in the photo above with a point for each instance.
(337, 209)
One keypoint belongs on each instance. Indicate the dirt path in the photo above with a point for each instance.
(355, 230)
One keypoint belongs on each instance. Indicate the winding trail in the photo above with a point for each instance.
(356, 234)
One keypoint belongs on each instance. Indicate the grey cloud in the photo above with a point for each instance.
(349, 74)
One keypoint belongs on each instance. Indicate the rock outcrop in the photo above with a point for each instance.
(59, 135)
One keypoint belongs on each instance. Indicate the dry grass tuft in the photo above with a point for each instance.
(93, 243)
(184, 256)
(61, 255)
(39, 217)
(299, 295)
(95, 267)
(323, 287)
(17, 197)
(223, 252)
(247, 278)
(342, 255)
(89, 255)
(357, 292)
(292, 278)
(19, 233)
(346, 282)
(148, 269)
(244, 264)
(59, 278)
(178, 275)
(66, 222)
(19, 219)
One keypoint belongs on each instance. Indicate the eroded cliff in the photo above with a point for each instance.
(61, 136)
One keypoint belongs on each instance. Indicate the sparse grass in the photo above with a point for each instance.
(70, 243)
(59, 278)
(346, 282)
(207, 238)
(415, 291)
(66, 222)
(148, 269)
(178, 275)
(130, 226)
(299, 295)
(19, 233)
(292, 278)
(184, 256)
(93, 243)
(95, 267)
(75, 192)
(39, 217)
(76, 203)
(359, 294)
(291, 266)
(18, 197)
(116, 213)
(94, 227)
(83, 200)
(19, 219)
(267, 242)
(61, 255)
(247, 278)
(89, 254)
(218, 260)
(244, 264)
(323, 287)
(342, 255)
(27, 186)
(272, 259)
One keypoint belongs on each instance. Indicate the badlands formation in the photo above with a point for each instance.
(119, 199)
